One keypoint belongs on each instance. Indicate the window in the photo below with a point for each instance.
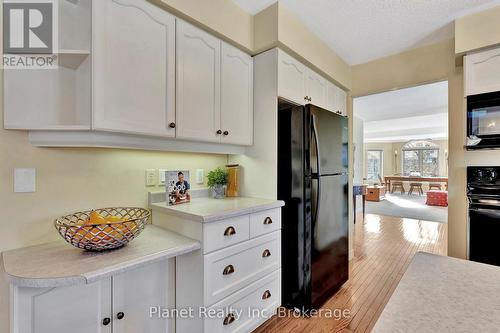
(421, 157)
(374, 164)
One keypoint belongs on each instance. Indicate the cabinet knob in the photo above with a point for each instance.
(226, 133)
(268, 220)
(120, 315)
(171, 125)
(228, 270)
(266, 253)
(230, 318)
(106, 321)
(229, 231)
(219, 132)
(266, 294)
(306, 98)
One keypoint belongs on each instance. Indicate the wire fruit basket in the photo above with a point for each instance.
(104, 228)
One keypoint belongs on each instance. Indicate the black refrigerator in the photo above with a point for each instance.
(313, 182)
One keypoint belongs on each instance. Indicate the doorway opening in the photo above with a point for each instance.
(401, 151)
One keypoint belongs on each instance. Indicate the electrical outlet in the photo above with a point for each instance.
(162, 176)
(200, 177)
(150, 177)
(24, 180)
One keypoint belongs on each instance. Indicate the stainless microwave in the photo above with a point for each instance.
(483, 121)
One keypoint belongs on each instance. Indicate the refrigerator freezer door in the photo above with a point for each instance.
(294, 189)
(330, 237)
(331, 133)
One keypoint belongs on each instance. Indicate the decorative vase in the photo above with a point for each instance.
(218, 191)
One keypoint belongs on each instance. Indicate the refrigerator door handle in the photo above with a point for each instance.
(316, 144)
(317, 176)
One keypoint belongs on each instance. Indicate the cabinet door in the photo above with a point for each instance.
(291, 79)
(316, 89)
(75, 309)
(134, 68)
(342, 101)
(198, 84)
(237, 96)
(331, 97)
(482, 72)
(136, 291)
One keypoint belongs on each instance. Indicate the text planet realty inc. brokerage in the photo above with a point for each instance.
(220, 313)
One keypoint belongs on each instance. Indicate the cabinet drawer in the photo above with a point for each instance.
(265, 222)
(249, 307)
(229, 270)
(217, 235)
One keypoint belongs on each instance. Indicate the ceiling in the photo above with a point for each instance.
(364, 30)
(400, 115)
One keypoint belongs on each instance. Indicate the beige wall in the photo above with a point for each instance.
(393, 164)
(477, 31)
(222, 17)
(277, 26)
(424, 65)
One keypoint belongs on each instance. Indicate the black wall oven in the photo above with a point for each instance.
(483, 121)
(483, 192)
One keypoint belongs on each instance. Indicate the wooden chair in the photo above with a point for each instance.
(435, 186)
(382, 183)
(417, 186)
(397, 186)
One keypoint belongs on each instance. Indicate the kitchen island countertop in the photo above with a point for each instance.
(444, 294)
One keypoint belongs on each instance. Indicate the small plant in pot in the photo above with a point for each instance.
(217, 179)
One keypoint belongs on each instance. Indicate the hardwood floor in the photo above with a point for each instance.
(383, 249)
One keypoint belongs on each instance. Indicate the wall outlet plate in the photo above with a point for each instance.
(200, 176)
(24, 180)
(150, 177)
(162, 176)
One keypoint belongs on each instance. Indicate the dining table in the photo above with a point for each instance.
(420, 179)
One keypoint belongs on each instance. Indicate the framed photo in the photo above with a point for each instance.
(178, 187)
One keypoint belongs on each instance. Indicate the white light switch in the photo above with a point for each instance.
(162, 176)
(200, 178)
(150, 177)
(24, 180)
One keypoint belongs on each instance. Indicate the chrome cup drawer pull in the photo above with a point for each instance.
(230, 231)
(266, 253)
(230, 318)
(266, 294)
(228, 270)
(268, 221)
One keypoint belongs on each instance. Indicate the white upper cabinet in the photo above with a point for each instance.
(331, 97)
(291, 79)
(315, 89)
(336, 99)
(198, 84)
(482, 72)
(341, 102)
(237, 96)
(134, 68)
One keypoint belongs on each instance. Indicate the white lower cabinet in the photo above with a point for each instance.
(237, 269)
(120, 303)
(248, 308)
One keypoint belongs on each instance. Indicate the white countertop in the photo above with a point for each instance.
(444, 294)
(209, 210)
(59, 264)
